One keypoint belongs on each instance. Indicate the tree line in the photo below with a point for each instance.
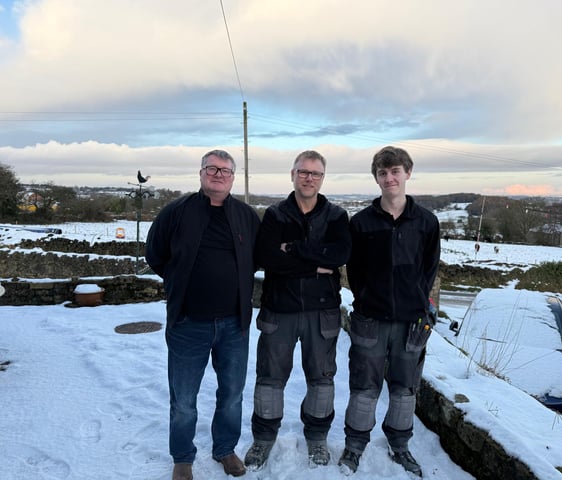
(531, 220)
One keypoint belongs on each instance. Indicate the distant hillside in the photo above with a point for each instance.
(439, 202)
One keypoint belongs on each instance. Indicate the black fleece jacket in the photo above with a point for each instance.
(393, 263)
(173, 241)
(318, 239)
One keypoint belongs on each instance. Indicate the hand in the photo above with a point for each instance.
(324, 270)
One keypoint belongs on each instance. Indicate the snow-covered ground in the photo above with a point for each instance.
(80, 401)
(514, 334)
(455, 215)
(503, 256)
(11, 234)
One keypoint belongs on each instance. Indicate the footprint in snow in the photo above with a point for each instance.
(40, 464)
(90, 431)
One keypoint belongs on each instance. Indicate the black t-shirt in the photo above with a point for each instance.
(213, 285)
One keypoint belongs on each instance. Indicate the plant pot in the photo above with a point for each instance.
(88, 295)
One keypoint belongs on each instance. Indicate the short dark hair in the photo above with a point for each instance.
(390, 157)
(222, 154)
(310, 155)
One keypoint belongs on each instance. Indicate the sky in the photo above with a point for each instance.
(80, 401)
(92, 91)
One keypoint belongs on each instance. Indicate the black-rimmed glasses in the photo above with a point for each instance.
(211, 170)
(306, 173)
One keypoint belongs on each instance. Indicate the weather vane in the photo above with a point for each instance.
(142, 179)
(138, 195)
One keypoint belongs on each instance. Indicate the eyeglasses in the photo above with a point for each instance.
(306, 173)
(211, 170)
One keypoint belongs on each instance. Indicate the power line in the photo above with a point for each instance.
(108, 116)
(105, 112)
(232, 51)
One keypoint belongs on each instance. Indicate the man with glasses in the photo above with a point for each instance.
(202, 245)
(302, 242)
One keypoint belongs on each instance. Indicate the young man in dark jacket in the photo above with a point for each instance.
(302, 242)
(393, 264)
(202, 245)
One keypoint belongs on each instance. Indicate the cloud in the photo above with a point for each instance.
(461, 70)
(437, 168)
(531, 190)
(90, 90)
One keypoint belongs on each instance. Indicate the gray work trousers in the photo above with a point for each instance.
(378, 352)
(318, 332)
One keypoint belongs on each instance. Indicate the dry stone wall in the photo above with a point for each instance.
(118, 290)
(33, 264)
(37, 262)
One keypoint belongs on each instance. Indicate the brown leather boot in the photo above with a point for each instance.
(182, 471)
(232, 465)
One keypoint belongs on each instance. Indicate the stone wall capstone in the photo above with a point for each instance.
(60, 244)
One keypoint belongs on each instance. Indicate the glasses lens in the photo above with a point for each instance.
(212, 170)
(306, 173)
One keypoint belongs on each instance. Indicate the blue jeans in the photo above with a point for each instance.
(189, 344)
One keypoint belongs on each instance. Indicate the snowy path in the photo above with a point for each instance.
(80, 401)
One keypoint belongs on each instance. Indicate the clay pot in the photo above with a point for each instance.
(88, 295)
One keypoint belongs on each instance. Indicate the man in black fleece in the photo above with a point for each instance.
(393, 264)
(302, 242)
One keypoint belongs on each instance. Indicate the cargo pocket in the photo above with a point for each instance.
(364, 331)
(330, 323)
(419, 333)
(267, 321)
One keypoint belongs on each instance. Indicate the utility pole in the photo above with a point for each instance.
(246, 177)
(480, 223)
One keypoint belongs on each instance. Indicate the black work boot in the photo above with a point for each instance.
(257, 455)
(349, 462)
(406, 459)
(318, 453)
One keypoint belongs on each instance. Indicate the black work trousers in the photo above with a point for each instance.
(318, 332)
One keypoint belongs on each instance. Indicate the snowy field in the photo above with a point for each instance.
(454, 252)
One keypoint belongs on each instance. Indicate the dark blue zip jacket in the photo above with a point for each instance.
(318, 239)
(173, 241)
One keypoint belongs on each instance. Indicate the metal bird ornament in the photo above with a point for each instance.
(142, 179)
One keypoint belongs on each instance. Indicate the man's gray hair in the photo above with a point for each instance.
(309, 155)
(222, 154)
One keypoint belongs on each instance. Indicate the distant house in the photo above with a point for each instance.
(31, 201)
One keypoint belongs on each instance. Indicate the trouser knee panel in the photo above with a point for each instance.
(268, 401)
(361, 409)
(319, 400)
(400, 415)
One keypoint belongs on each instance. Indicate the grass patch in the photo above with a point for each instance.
(546, 277)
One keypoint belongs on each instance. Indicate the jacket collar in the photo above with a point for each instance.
(320, 202)
(205, 198)
(409, 210)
